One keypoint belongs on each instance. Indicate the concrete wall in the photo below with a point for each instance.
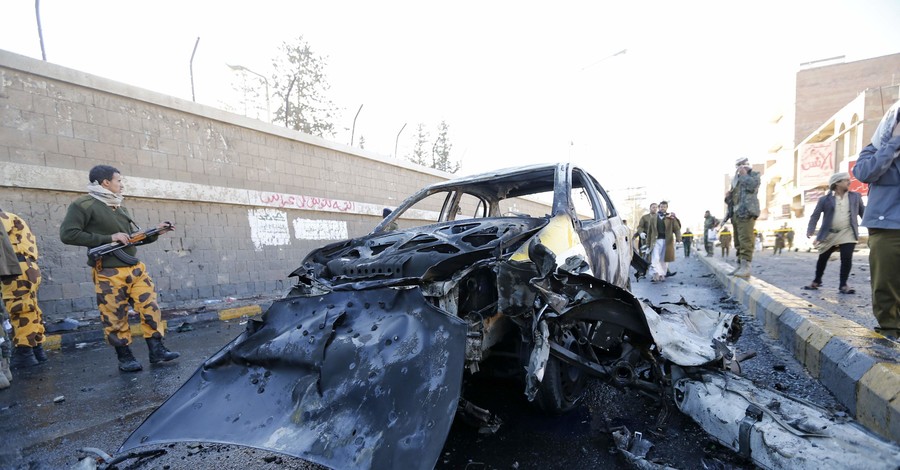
(249, 199)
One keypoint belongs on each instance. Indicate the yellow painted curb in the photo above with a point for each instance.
(754, 296)
(878, 400)
(238, 312)
(52, 342)
(773, 311)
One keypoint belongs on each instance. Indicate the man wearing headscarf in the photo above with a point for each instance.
(743, 209)
(120, 279)
(840, 210)
(879, 166)
(643, 229)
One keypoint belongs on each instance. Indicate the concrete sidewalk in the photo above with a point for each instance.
(827, 332)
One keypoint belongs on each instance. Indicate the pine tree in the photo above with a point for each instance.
(301, 84)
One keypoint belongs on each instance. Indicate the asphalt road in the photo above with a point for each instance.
(101, 406)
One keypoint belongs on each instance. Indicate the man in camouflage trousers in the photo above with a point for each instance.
(9, 269)
(743, 209)
(120, 279)
(20, 295)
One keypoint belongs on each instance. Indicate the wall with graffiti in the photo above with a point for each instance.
(249, 199)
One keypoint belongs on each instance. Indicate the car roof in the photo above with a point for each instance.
(508, 181)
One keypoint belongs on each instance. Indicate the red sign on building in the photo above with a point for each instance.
(855, 184)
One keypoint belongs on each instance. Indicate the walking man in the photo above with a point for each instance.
(879, 165)
(709, 223)
(20, 295)
(120, 279)
(687, 238)
(665, 228)
(743, 209)
(643, 229)
(840, 210)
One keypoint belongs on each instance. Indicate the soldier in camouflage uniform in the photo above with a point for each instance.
(20, 295)
(121, 280)
(9, 269)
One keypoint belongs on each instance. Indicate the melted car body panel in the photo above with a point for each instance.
(355, 379)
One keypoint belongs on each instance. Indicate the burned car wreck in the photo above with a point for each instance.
(362, 364)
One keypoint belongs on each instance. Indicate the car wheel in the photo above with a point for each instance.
(563, 385)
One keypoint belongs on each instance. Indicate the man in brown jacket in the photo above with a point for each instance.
(664, 229)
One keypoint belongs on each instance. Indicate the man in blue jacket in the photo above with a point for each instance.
(879, 166)
(840, 210)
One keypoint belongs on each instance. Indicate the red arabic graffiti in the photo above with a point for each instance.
(305, 202)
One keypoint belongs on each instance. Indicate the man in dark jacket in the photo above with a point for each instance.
(120, 279)
(840, 210)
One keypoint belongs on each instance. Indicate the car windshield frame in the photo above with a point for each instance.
(494, 187)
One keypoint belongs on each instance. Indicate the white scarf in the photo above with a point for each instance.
(104, 195)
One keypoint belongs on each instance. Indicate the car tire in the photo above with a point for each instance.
(563, 385)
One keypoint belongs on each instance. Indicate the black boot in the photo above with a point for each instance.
(39, 353)
(22, 357)
(158, 352)
(127, 362)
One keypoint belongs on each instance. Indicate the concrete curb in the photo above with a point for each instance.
(859, 366)
(94, 334)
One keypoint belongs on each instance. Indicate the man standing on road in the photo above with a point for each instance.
(687, 239)
(665, 228)
(879, 165)
(840, 210)
(725, 242)
(20, 295)
(645, 244)
(743, 209)
(120, 279)
(709, 223)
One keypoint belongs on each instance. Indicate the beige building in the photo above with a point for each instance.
(837, 110)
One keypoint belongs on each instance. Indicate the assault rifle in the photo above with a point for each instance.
(97, 253)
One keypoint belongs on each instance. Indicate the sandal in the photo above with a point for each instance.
(812, 286)
(847, 290)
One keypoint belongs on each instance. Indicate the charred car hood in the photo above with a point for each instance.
(352, 379)
(433, 252)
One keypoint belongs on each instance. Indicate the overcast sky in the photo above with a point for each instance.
(518, 82)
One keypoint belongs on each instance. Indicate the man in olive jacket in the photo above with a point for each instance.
(120, 279)
(743, 209)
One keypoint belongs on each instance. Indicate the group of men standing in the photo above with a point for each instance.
(657, 232)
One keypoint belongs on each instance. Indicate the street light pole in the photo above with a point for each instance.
(353, 130)
(193, 96)
(398, 139)
(241, 68)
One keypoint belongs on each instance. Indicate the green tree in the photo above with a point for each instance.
(440, 151)
(419, 152)
(300, 83)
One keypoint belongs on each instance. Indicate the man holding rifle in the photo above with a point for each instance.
(120, 279)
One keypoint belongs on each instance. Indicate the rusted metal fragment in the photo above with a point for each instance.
(355, 379)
